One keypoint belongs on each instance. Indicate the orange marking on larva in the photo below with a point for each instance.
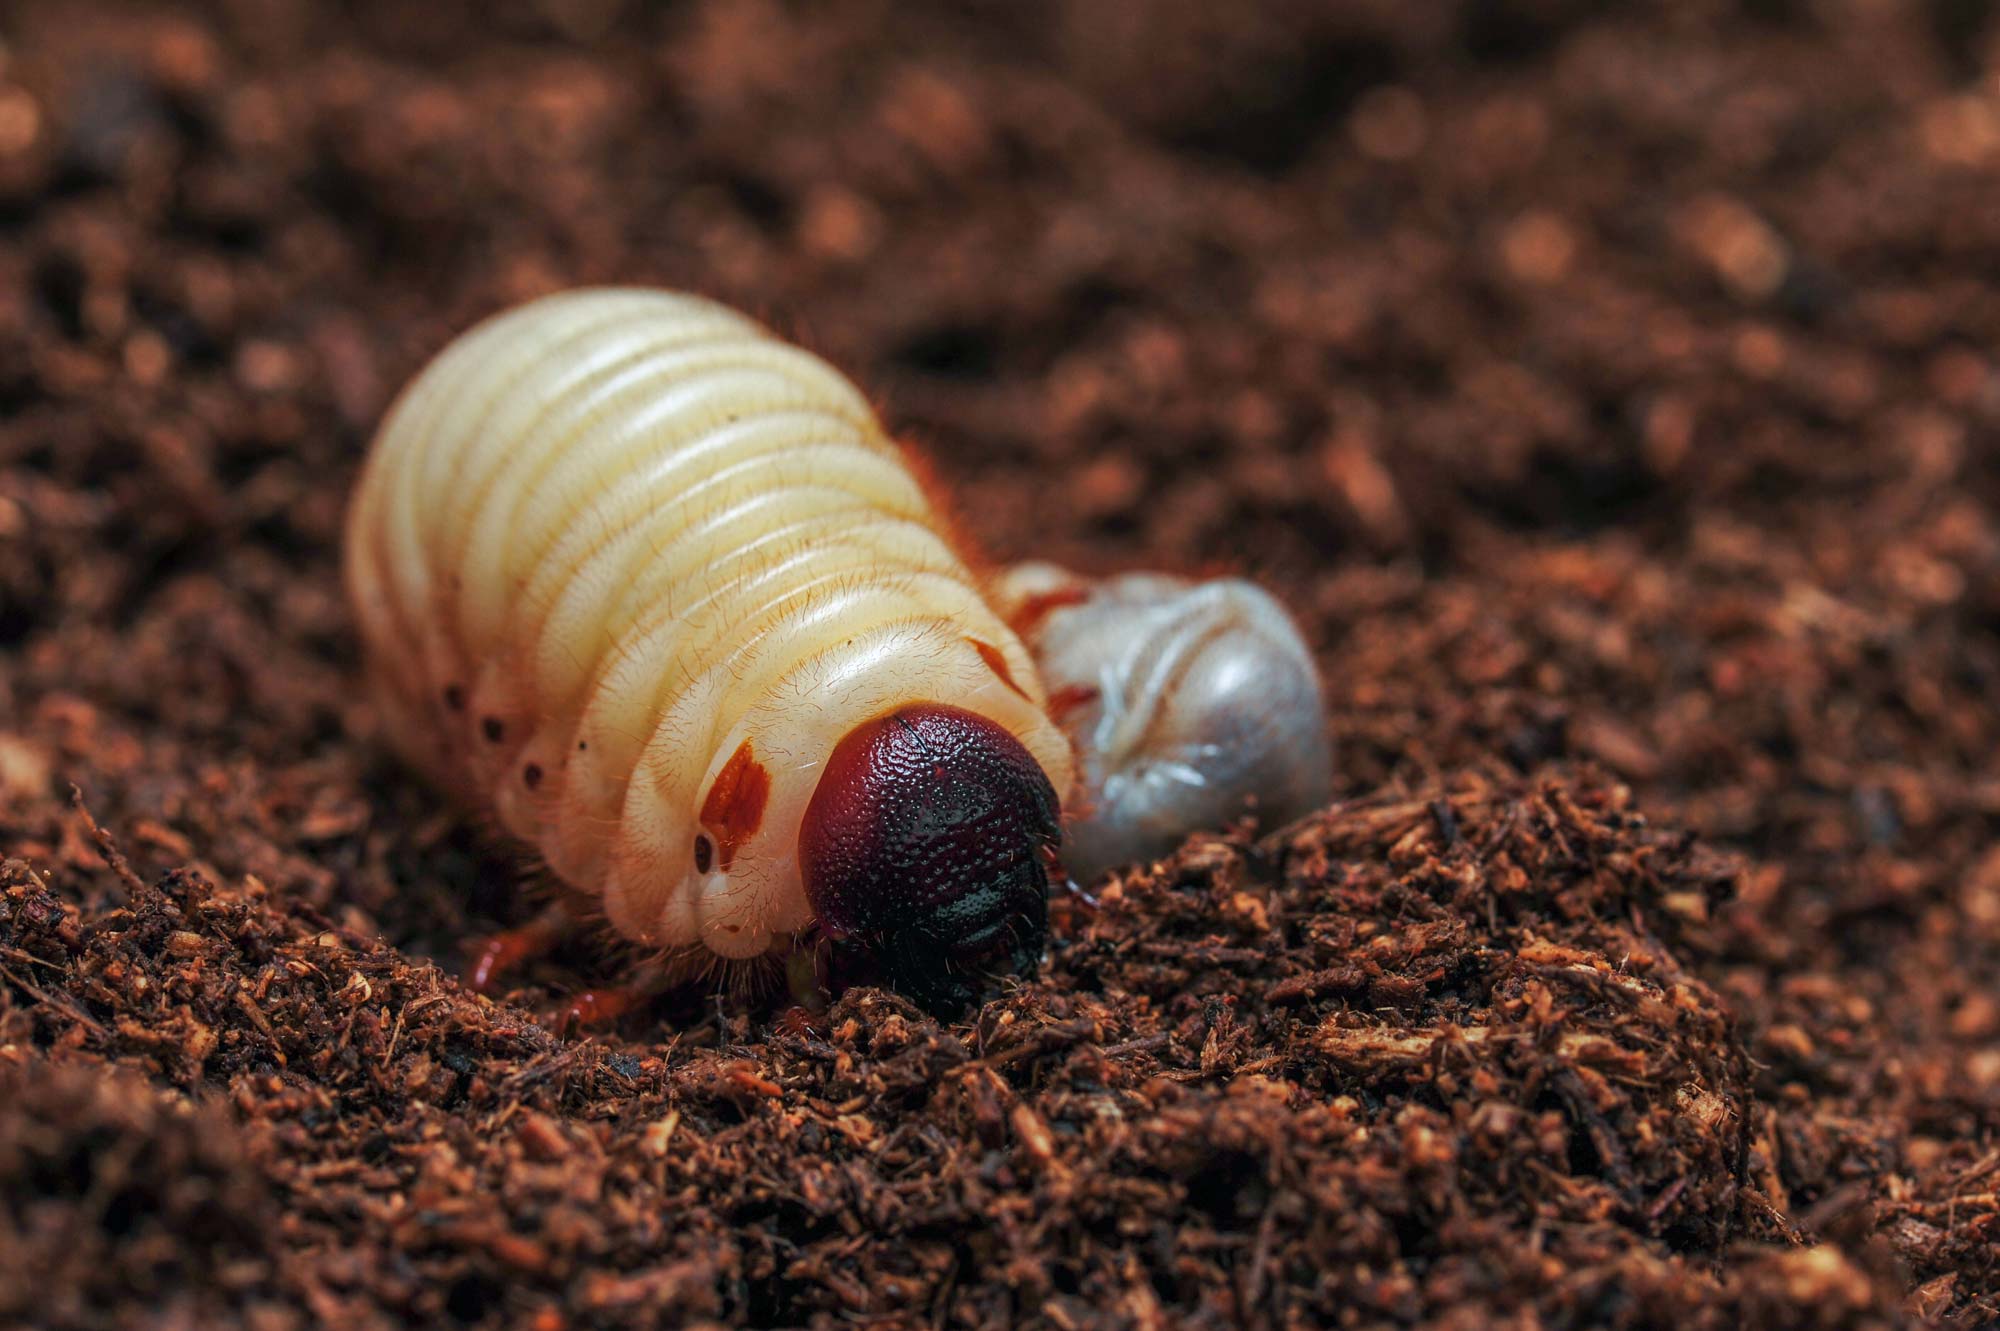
(1038, 607)
(1072, 696)
(734, 808)
(997, 664)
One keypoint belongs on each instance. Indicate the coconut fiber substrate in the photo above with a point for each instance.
(1610, 391)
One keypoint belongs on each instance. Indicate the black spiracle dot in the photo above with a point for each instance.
(531, 775)
(704, 854)
(493, 729)
(454, 697)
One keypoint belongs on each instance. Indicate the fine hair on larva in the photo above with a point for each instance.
(628, 570)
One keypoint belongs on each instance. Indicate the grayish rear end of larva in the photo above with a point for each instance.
(627, 568)
(1188, 701)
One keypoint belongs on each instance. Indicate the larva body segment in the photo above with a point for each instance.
(1187, 702)
(631, 568)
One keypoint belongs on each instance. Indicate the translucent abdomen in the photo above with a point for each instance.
(1188, 702)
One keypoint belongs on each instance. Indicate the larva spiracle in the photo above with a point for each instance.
(1187, 701)
(657, 589)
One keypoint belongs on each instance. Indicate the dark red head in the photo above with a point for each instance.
(926, 851)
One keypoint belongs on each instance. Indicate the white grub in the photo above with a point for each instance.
(627, 568)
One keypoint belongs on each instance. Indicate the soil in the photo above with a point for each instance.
(1610, 390)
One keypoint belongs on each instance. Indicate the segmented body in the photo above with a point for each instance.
(629, 567)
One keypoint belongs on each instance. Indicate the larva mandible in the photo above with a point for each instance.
(1186, 702)
(659, 587)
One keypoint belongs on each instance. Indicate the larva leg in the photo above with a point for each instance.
(507, 951)
(503, 953)
(599, 1007)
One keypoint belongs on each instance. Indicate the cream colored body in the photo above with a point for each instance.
(607, 538)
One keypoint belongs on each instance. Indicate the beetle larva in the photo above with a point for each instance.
(658, 586)
(1186, 700)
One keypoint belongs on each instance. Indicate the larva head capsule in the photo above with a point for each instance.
(925, 852)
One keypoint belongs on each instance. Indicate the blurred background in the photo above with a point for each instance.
(1606, 387)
